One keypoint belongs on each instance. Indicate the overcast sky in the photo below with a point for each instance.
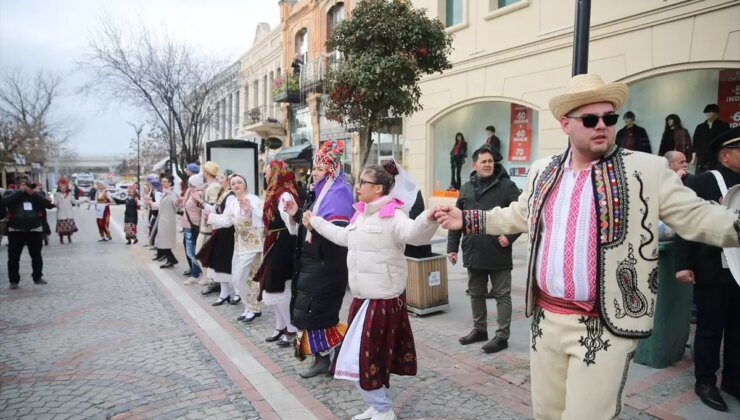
(50, 35)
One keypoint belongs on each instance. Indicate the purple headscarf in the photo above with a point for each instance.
(337, 203)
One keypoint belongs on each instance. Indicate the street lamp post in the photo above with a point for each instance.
(138, 129)
(581, 36)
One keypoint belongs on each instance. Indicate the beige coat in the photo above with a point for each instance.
(64, 205)
(643, 190)
(166, 225)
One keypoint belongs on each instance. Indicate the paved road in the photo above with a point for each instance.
(113, 336)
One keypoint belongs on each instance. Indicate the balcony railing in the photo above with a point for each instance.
(262, 114)
(286, 89)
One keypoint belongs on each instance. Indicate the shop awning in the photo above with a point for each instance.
(301, 154)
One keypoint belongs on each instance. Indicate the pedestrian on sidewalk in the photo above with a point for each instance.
(24, 207)
(152, 190)
(131, 216)
(486, 256)
(276, 271)
(592, 215)
(221, 246)
(716, 292)
(64, 200)
(209, 195)
(379, 340)
(320, 279)
(103, 201)
(165, 226)
(244, 214)
(190, 222)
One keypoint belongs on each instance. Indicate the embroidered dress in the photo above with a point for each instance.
(102, 212)
(131, 218)
(66, 225)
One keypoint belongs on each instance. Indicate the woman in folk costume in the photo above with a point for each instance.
(131, 216)
(320, 281)
(221, 253)
(244, 213)
(276, 271)
(379, 340)
(165, 227)
(103, 200)
(64, 199)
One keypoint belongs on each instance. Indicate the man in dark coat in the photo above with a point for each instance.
(632, 136)
(492, 140)
(715, 292)
(484, 255)
(704, 133)
(25, 208)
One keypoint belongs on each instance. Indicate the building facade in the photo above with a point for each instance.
(512, 56)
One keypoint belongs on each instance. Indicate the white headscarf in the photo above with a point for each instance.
(405, 189)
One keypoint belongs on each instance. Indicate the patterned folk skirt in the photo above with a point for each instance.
(387, 343)
(130, 230)
(66, 227)
(319, 340)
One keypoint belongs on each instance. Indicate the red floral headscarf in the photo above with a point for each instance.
(280, 179)
(329, 156)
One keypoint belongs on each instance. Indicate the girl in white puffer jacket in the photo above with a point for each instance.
(379, 340)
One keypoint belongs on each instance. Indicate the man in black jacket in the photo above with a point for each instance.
(715, 292)
(484, 255)
(632, 136)
(25, 208)
(704, 133)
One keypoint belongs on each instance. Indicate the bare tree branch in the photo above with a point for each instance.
(163, 76)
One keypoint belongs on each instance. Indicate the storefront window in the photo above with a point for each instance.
(684, 94)
(301, 129)
(515, 126)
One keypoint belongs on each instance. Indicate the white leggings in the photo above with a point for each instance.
(377, 398)
(281, 303)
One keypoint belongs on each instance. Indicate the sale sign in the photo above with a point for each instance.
(520, 134)
(728, 97)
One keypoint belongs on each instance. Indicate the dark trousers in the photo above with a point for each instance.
(501, 289)
(455, 167)
(717, 315)
(16, 242)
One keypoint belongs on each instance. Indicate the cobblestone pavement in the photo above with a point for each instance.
(125, 326)
(100, 339)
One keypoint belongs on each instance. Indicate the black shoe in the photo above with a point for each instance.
(241, 317)
(474, 337)
(236, 300)
(187, 273)
(13, 286)
(101, 240)
(733, 390)
(40, 281)
(168, 264)
(287, 340)
(128, 242)
(248, 319)
(210, 289)
(158, 258)
(221, 301)
(710, 396)
(495, 345)
(276, 335)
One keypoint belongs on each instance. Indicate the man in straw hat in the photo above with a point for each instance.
(715, 291)
(592, 216)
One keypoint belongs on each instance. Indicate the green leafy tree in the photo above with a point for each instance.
(387, 47)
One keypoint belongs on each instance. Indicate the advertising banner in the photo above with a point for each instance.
(520, 134)
(728, 96)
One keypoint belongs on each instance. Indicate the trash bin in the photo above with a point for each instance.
(426, 286)
(667, 344)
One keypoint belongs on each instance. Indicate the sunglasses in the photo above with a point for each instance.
(361, 181)
(590, 121)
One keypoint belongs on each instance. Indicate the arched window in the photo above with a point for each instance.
(301, 44)
(333, 17)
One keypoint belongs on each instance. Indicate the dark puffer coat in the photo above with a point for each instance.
(320, 280)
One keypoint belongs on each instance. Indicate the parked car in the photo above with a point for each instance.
(121, 192)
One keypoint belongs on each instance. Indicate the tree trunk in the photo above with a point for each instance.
(368, 144)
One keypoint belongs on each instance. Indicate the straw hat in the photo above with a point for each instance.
(211, 168)
(585, 89)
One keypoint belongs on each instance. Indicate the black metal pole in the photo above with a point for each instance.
(138, 164)
(581, 30)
